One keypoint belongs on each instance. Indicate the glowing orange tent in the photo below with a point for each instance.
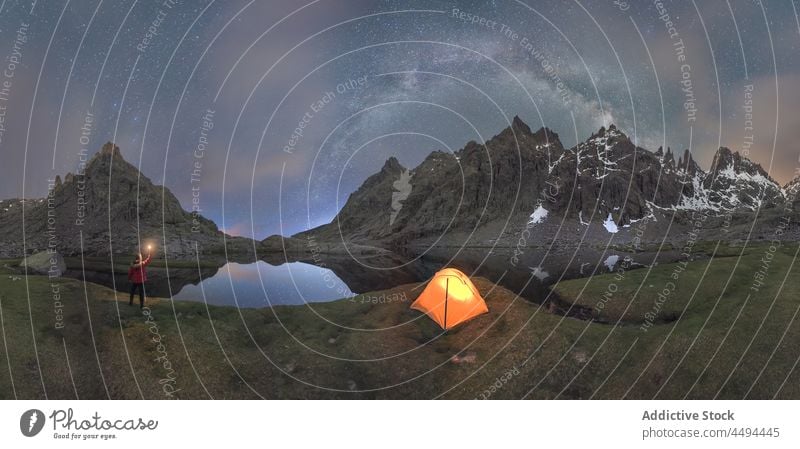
(450, 299)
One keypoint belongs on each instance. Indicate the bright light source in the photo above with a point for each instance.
(456, 288)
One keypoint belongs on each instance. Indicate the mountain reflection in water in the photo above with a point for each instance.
(260, 284)
(280, 279)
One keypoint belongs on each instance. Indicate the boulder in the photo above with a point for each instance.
(45, 262)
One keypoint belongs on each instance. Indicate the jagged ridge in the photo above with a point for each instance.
(518, 170)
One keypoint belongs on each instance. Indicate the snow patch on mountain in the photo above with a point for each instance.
(699, 199)
(610, 225)
(539, 273)
(538, 215)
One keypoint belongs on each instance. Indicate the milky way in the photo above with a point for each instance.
(267, 115)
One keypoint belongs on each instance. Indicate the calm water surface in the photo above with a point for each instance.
(261, 284)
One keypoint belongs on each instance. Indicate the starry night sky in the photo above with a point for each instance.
(385, 78)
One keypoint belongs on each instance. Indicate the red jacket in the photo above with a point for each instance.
(138, 275)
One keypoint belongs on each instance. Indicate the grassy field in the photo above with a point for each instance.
(715, 334)
(707, 340)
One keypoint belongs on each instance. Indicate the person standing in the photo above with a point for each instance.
(137, 275)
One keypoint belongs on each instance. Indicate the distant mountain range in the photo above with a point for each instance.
(483, 193)
(480, 195)
(108, 207)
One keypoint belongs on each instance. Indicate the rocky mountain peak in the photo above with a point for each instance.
(687, 163)
(392, 166)
(518, 125)
(723, 160)
(792, 188)
(600, 133)
(518, 136)
(667, 159)
(612, 129)
(547, 137)
(730, 164)
(482, 185)
(608, 136)
(735, 181)
(543, 136)
(110, 149)
(103, 158)
(114, 203)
